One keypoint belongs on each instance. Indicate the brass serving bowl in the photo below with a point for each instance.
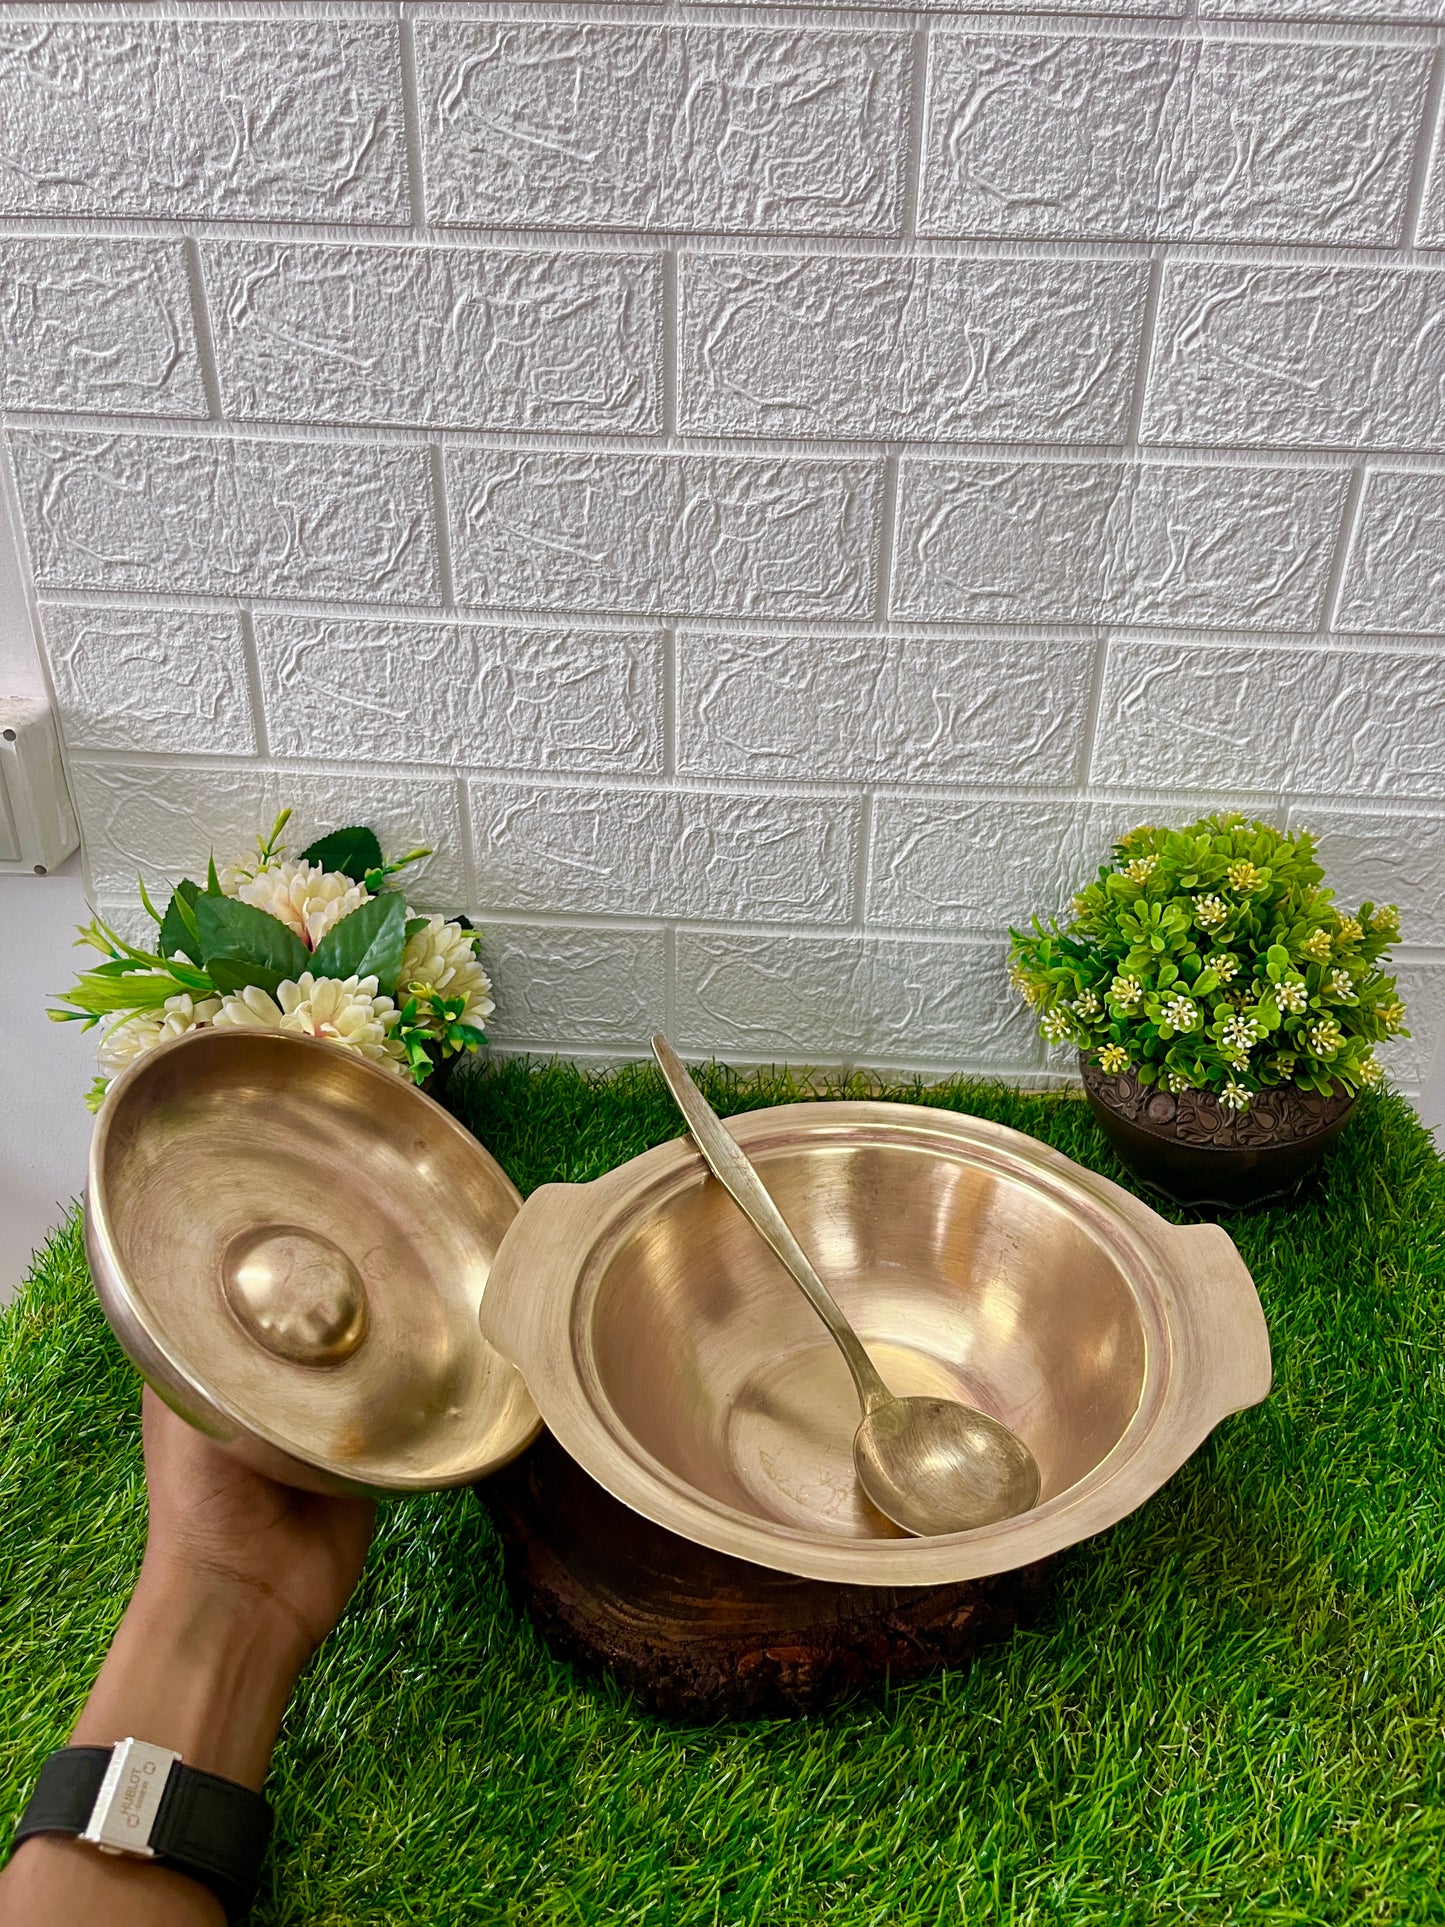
(292, 1244)
(674, 1359)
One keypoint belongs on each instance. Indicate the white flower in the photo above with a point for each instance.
(1086, 1004)
(133, 1036)
(1210, 911)
(1180, 1012)
(1055, 1025)
(1371, 1070)
(345, 1011)
(1113, 1058)
(1238, 1035)
(1317, 944)
(1386, 920)
(1141, 869)
(1177, 1082)
(1341, 986)
(1126, 991)
(303, 896)
(443, 958)
(1225, 966)
(1350, 930)
(1291, 994)
(1393, 1015)
(1243, 876)
(1325, 1037)
(1234, 1097)
(1029, 991)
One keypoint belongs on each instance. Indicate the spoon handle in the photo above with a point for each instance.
(739, 1178)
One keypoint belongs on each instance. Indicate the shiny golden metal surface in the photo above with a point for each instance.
(297, 1293)
(292, 1245)
(931, 1465)
(670, 1356)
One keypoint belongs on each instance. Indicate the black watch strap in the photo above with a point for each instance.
(209, 1828)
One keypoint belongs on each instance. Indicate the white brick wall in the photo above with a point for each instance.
(538, 123)
(226, 516)
(897, 347)
(769, 491)
(1186, 138)
(445, 338)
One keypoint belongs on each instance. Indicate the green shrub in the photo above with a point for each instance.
(1214, 958)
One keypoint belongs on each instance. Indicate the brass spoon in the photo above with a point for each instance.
(931, 1465)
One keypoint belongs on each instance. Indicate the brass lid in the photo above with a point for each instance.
(292, 1245)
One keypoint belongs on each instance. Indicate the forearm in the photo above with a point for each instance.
(53, 1881)
(198, 1666)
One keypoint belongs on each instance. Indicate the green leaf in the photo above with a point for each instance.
(230, 974)
(213, 882)
(179, 929)
(190, 978)
(242, 945)
(98, 995)
(368, 943)
(272, 846)
(413, 926)
(181, 976)
(122, 967)
(353, 852)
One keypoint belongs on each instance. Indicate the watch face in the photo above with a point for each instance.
(124, 1815)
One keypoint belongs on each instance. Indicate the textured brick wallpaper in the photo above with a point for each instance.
(768, 493)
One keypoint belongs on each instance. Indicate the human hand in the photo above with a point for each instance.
(242, 1580)
(214, 1522)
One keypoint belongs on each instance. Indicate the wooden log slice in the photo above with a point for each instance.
(696, 1635)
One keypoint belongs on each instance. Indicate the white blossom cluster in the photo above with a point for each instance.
(309, 900)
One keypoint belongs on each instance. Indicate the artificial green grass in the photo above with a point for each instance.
(1233, 1711)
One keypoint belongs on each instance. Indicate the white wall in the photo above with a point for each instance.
(769, 494)
(44, 1125)
(21, 673)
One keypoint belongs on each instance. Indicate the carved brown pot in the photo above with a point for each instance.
(1190, 1149)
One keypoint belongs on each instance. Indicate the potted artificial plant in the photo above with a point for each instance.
(1224, 1009)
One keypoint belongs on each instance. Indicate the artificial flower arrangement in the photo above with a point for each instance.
(322, 944)
(1213, 958)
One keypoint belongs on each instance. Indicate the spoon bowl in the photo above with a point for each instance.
(931, 1465)
(934, 1465)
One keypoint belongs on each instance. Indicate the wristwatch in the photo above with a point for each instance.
(143, 1802)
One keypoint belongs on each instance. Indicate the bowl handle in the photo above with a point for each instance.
(514, 1309)
(1224, 1321)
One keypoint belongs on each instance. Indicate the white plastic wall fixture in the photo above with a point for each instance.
(37, 822)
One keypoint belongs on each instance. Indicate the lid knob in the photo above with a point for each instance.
(296, 1293)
